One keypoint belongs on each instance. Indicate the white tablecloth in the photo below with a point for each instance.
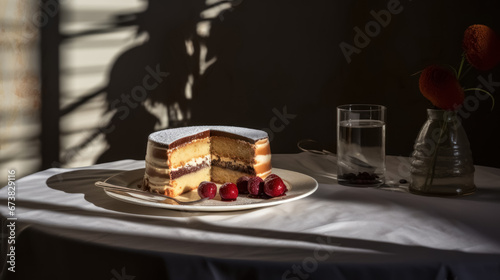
(339, 227)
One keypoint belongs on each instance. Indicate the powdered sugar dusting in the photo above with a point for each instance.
(167, 136)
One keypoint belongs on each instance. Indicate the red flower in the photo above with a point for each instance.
(482, 47)
(441, 87)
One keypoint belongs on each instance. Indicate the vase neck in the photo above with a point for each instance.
(433, 114)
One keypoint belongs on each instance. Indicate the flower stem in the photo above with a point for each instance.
(416, 73)
(485, 91)
(432, 171)
(466, 71)
(461, 66)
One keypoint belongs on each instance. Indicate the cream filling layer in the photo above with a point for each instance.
(194, 162)
(263, 175)
(262, 159)
(258, 159)
(261, 143)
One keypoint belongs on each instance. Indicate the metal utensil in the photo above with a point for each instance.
(157, 197)
(312, 146)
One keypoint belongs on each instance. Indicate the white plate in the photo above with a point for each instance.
(298, 184)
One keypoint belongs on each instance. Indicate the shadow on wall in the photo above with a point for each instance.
(231, 63)
(147, 83)
(278, 67)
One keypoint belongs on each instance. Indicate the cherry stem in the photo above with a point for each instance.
(432, 169)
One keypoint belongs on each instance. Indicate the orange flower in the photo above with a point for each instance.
(482, 47)
(441, 87)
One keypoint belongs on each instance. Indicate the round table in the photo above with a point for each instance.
(63, 227)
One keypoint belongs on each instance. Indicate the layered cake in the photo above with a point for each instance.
(178, 159)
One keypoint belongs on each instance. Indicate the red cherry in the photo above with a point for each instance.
(242, 184)
(274, 186)
(207, 189)
(228, 192)
(255, 186)
(270, 176)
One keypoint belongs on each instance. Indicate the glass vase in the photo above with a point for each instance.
(441, 163)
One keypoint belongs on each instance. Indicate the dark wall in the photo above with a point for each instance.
(280, 67)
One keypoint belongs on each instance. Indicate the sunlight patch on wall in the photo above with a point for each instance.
(19, 89)
(87, 55)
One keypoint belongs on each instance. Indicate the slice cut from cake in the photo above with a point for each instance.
(178, 159)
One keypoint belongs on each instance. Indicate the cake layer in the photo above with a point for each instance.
(182, 184)
(179, 156)
(228, 163)
(237, 149)
(223, 175)
(187, 182)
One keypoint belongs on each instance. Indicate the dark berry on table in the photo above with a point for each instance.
(363, 178)
(349, 176)
(364, 175)
(207, 189)
(274, 186)
(228, 192)
(255, 186)
(242, 184)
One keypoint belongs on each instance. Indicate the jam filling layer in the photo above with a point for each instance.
(233, 166)
(174, 174)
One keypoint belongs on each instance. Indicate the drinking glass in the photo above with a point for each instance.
(361, 145)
